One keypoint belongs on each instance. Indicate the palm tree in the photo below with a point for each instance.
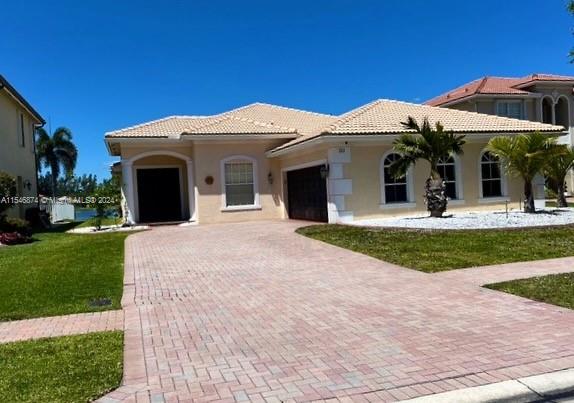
(556, 170)
(55, 152)
(430, 144)
(524, 156)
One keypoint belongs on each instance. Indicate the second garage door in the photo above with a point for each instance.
(307, 194)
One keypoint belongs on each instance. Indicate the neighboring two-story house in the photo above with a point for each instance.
(18, 121)
(543, 98)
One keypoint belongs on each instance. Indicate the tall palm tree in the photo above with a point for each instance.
(430, 144)
(524, 156)
(556, 170)
(56, 152)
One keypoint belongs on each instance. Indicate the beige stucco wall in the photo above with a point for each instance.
(366, 199)
(488, 106)
(18, 161)
(207, 157)
(363, 170)
(134, 149)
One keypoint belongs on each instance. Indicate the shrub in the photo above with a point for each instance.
(13, 238)
(9, 224)
(7, 191)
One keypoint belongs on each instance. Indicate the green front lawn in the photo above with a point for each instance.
(62, 369)
(557, 289)
(434, 251)
(550, 203)
(60, 274)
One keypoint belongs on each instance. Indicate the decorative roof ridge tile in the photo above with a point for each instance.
(288, 108)
(229, 116)
(346, 117)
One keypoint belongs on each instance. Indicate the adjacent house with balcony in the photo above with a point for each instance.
(18, 120)
(546, 98)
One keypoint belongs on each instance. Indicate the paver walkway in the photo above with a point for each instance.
(253, 311)
(65, 325)
(511, 271)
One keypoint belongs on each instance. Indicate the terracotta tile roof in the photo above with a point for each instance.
(385, 116)
(257, 118)
(495, 85)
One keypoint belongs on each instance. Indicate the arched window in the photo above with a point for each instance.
(547, 110)
(239, 181)
(490, 176)
(395, 190)
(447, 170)
(562, 112)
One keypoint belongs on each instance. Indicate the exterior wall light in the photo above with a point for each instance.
(270, 178)
(27, 184)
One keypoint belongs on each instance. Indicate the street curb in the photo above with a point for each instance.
(521, 390)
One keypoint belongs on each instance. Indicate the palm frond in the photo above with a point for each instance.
(62, 135)
(411, 124)
(430, 143)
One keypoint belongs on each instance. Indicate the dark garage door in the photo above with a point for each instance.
(159, 195)
(307, 194)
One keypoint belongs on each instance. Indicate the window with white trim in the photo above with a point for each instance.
(395, 189)
(239, 183)
(510, 109)
(490, 175)
(447, 170)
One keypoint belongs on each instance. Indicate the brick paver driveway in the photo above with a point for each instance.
(253, 311)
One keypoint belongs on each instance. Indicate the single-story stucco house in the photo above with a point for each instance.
(264, 161)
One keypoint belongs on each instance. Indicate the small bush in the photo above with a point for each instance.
(13, 238)
(7, 191)
(9, 224)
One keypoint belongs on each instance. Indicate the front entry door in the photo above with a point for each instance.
(159, 194)
(307, 194)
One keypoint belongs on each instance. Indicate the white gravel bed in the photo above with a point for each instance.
(476, 220)
(106, 228)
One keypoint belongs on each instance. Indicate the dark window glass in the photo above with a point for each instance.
(395, 189)
(491, 176)
(22, 132)
(447, 171)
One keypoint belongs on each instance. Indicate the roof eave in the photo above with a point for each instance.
(543, 82)
(483, 96)
(377, 136)
(4, 84)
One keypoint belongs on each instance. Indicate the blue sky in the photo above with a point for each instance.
(95, 66)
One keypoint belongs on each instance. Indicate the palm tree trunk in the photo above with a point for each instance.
(54, 175)
(54, 180)
(528, 197)
(560, 198)
(435, 197)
